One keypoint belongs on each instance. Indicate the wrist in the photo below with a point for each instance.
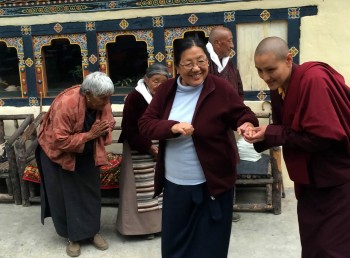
(88, 136)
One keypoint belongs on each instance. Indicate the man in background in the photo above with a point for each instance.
(220, 64)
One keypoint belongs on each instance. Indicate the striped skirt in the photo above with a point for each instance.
(138, 212)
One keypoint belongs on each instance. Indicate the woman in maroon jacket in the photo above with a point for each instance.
(193, 116)
(138, 212)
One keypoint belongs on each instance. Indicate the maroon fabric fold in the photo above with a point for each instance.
(326, 116)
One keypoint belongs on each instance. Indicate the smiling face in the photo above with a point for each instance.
(153, 82)
(275, 72)
(193, 66)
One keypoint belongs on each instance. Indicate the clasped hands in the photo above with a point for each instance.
(252, 134)
(99, 128)
(183, 128)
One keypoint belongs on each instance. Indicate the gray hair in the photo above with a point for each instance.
(156, 68)
(97, 83)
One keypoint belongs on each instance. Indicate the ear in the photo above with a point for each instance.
(88, 96)
(289, 59)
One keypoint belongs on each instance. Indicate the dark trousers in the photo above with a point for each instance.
(193, 224)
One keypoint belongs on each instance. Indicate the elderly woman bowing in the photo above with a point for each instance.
(71, 140)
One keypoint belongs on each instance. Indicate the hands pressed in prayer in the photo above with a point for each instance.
(98, 129)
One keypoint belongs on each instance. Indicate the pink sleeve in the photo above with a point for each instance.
(65, 138)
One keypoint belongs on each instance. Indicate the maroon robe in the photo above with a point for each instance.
(230, 73)
(313, 126)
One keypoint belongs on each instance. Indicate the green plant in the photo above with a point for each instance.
(123, 83)
(3, 83)
(77, 73)
(128, 82)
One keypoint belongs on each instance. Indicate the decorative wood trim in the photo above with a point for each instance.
(40, 41)
(157, 32)
(17, 43)
(9, 8)
(104, 38)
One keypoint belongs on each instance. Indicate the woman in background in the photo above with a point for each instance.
(138, 212)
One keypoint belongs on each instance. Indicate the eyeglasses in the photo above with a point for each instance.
(199, 63)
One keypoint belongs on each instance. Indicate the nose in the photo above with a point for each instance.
(265, 76)
(195, 67)
(155, 87)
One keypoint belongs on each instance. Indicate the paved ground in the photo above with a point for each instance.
(256, 235)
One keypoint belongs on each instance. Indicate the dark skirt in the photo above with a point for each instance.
(324, 222)
(72, 199)
(193, 224)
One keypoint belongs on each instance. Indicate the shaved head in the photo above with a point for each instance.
(274, 62)
(222, 41)
(218, 33)
(274, 45)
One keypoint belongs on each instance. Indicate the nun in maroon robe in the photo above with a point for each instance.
(312, 123)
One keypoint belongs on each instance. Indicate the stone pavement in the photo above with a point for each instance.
(256, 235)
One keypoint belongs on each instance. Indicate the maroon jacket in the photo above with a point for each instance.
(219, 110)
(313, 125)
(134, 106)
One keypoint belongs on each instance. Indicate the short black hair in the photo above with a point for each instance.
(186, 43)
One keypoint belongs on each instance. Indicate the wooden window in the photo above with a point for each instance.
(9, 72)
(127, 62)
(248, 37)
(63, 65)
